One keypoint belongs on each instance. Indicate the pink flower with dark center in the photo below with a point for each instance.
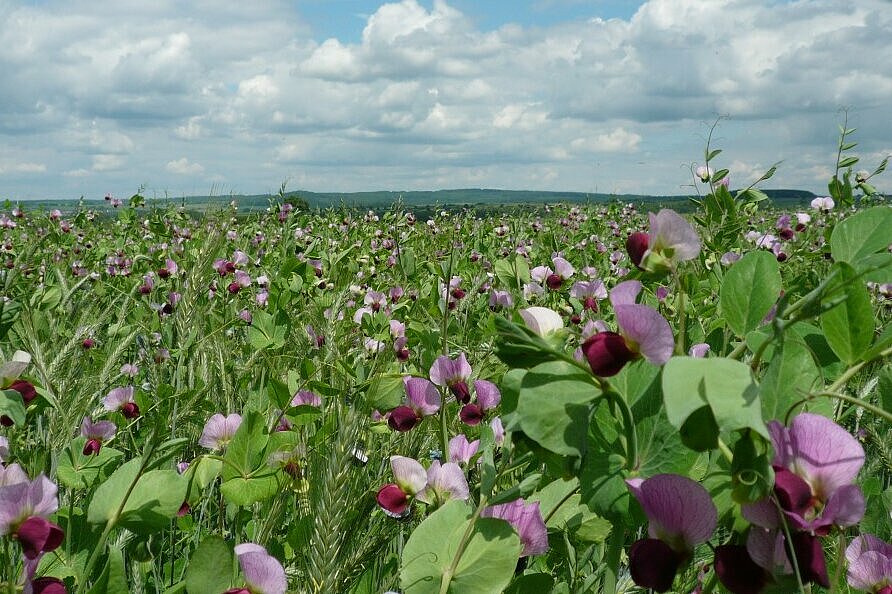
(526, 519)
(422, 400)
(219, 431)
(410, 478)
(444, 483)
(460, 450)
(121, 399)
(24, 507)
(306, 398)
(95, 434)
(262, 572)
(642, 332)
(680, 516)
(671, 239)
(452, 374)
(589, 292)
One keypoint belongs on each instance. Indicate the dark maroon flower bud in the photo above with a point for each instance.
(800, 228)
(92, 447)
(130, 410)
(461, 392)
(810, 558)
(793, 493)
(321, 285)
(145, 289)
(737, 571)
(39, 535)
(653, 564)
(402, 355)
(458, 293)
(88, 343)
(403, 418)
(48, 585)
(554, 281)
(606, 353)
(163, 272)
(392, 499)
(575, 318)
(26, 389)
(471, 414)
(590, 303)
(886, 590)
(185, 508)
(320, 342)
(234, 288)
(6, 421)
(786, 234)
(451, 305)
(636, 245)
(781, 257)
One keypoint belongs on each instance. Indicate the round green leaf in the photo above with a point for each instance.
(751, 286)
(862, 234)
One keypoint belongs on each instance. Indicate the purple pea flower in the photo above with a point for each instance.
(306, 398)
(699, 350)
(488, 397)
(680, 516)
(589, 292)
(24, 508)
(460, 450)
(642, 332)
(121, 399)
(422, 400)
(263, 573)
(563, 270)
(526, 519)
(410, 478)
(96, 433)
(500, 299)
(444, 483)
(219, 431)
(870, 564)
(452, 374)
(671, 239)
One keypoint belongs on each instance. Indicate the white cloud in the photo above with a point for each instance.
(184, 167)
(10, 168)
(108, 97)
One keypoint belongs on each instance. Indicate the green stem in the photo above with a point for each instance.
(840, 560)
(726, 451)
(791, 552)
(563, 500)
(682, 319)
(462, 545)
(738, 351)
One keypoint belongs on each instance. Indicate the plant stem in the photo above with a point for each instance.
(462, 545)
(680, 339)
(791, 552)
(612, 557)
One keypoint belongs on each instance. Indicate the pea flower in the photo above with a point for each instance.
(870, 564)
(670, 240)
(680, 516)
(642, 332)
(541, 320)
(10, 370)
(563, 270)
(444, 483)
(306, 398)
(410, 478)
(823, 203)
(452, 374)
(422, 400)
(24, 508)
(263, 573)
(219, 431)
(526, 519)
(488, 397)
(121, 399)
(460, 450)
(589, 292)
(96, 433)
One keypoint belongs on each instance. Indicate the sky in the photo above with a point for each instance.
(615, 96)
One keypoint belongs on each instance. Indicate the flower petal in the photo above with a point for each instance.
(488, 395)
(648, 329)
(409, 474)
(824, 453)
(423, 395)
(625, 293)
(541, 320)
(670, 231)
(869, 570)
(263, 573)
(679, 510)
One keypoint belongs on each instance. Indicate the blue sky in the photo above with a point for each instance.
(226, 96)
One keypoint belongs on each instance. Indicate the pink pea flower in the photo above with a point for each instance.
(671, 239)
(642, 332)
(460, 450)
(540, 274)
(870, 564)
(699, 350)
(823, 203)
(488, 397)
(239, 258)
(129, 369)
(306, 398)
(219, 431)
(422, 400)
(263, 573)
(815, 463)
(410, 478)
(704, 173)
(96, 433)
(223, 267)
(526, 519)
(24, 508)
(444, 483)
(452, 374)
(169, 269)
(563, 270)
(121, 399)
(589, 292)
(498, 430)
(500, 299)
(680, 516)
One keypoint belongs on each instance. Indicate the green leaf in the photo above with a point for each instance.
(77, 471)
(486, 565)
(849, 326)
(531, 582)
(861, 234)
(847, 162)
(876, 268)
(246, 476)
(210, 567)
(154, 500)
(723, 386)
(113, 577)
(386, 392)
(553, 407)
(12, 406)
(751, 286)
(791, 374)
(201, 473)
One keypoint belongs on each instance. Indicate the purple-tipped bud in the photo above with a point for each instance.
(737, 571)
(606, 353)
(88, 344)
(26, 389)
(554, 281)
(636, 246)
(39, 535)
(403, 418)
(471, 414)
(92, 447)
(653, 564)
(234, 288)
